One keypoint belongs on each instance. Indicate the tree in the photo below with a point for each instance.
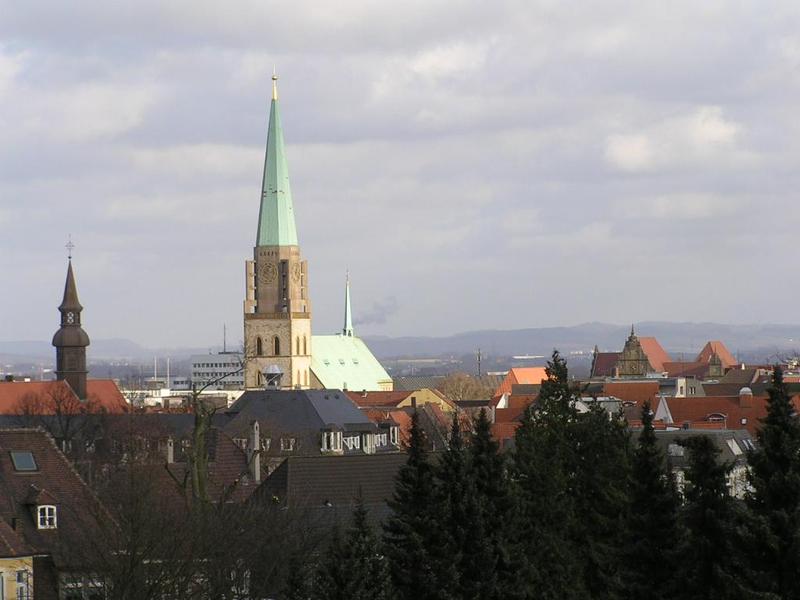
(354, 567)
(601, 487)
(496, 560)
(544, 471)
(461, 386)
(712, 565)
(652, 532)
(412, 536)
(774, 498)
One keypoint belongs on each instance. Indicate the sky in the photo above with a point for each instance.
(475, 165)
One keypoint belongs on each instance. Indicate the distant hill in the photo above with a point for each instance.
(760, 341)
(677, 338)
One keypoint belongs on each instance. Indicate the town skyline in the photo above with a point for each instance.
(460, 178)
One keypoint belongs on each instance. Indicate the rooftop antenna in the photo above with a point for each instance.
(224, 338)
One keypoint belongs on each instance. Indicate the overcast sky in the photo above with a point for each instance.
(474, 164)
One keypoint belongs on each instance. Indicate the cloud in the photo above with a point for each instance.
(379, 313)
(692, 139)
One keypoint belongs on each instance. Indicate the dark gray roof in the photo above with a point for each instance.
(678, 457)
(332, 483)
(295, 410)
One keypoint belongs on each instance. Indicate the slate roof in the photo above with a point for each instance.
(54, 480)
(345, 362)
(301, 414)
(329, 485)
(678, 458)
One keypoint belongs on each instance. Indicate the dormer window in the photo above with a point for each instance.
(47, 516)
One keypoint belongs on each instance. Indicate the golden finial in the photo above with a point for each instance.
(274, 84)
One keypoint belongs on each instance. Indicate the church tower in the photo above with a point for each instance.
(71, 340)
(277, 309)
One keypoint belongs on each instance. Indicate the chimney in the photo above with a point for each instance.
(254, 453)
(745, 398)
(170, 451)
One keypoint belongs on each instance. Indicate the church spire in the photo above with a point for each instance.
(348, 315)
(276, 225)
(70, 301)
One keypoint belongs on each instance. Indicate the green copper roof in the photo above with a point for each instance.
(276, 216)
(341, 361)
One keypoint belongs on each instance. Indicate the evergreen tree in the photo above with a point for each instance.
(413, 538)
(499, 572)
(652, 531)
(775, 493)
(712, 565)
(354, 568)
(601, 485)
(544, 469)
(299, 580)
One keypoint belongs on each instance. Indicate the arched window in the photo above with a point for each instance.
(258, 377)
(299, 381)
(305, 349)
(276, 346)
(305, 377)
(297, 345)
(259, 347)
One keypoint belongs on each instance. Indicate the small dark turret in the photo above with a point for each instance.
(71, 340)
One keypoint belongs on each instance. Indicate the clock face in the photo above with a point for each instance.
(268, 273)
(70, 318)
(297, 270)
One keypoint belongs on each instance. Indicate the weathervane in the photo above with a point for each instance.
(69, 246)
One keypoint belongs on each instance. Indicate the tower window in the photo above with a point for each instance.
(297, 345)
(305, 349)
(259, 347)
(276, 346)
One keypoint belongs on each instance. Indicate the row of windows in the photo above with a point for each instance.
(287, 444)
(276, 346)
(228, 365)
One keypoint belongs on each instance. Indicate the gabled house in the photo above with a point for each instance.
(47, 518)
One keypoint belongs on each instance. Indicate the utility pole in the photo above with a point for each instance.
(479, 363)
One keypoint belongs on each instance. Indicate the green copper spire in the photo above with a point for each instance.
(276, 216)
(348, 315)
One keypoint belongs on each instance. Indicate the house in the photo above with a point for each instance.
(740, 411)
(303, 423)
(520, 375)
(47, 517)
(732, 446)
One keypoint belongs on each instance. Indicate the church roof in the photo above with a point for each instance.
(717, 347)
(655, 353)
(276, 226)
(70, 301)
(345, 362)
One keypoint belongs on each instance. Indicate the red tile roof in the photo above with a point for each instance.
(655, 353)
(42, 396)
(604, 363)
(698, 409)
(718, 348)
(518, 375)
(368, 399)
(632, 391)
(686, 369)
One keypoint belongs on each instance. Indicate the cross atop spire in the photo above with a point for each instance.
(348, 315)
(69, 246)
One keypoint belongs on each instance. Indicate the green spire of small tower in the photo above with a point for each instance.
(348, 315)
(276, 225)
